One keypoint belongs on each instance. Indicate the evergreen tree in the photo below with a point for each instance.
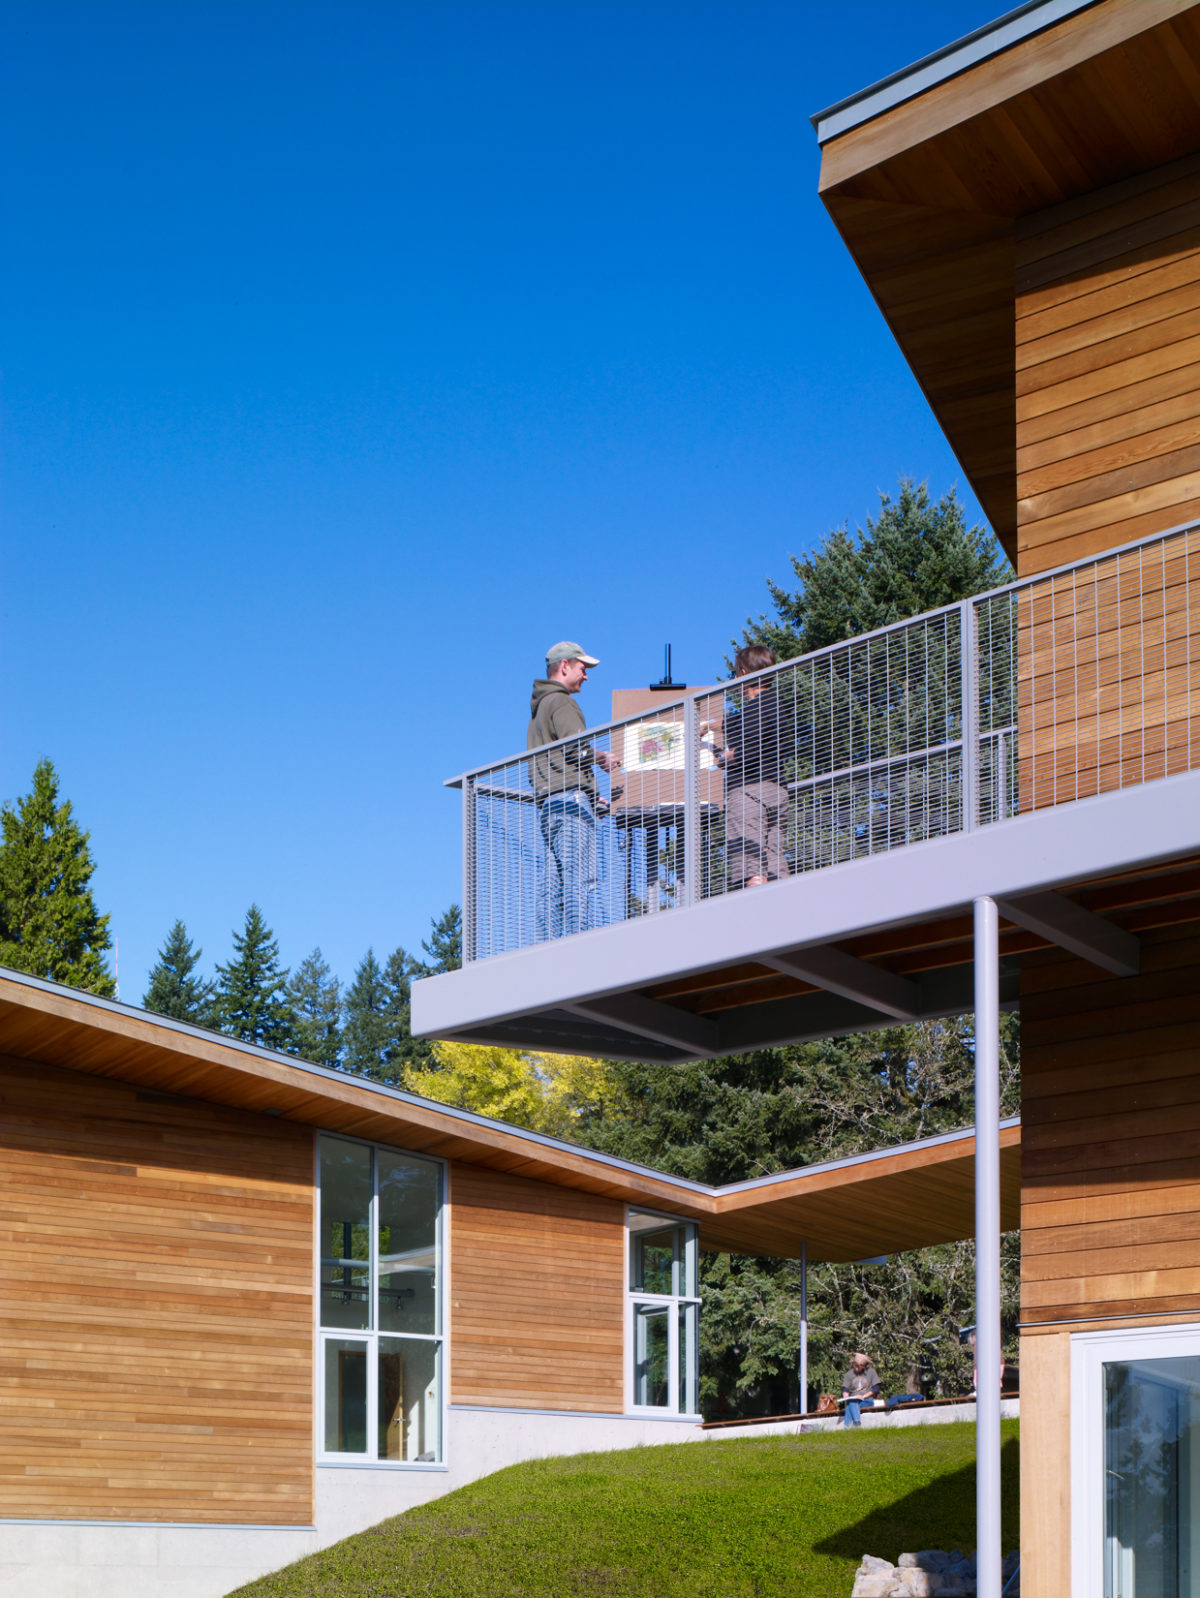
(402, 1053)
(49, 924)
(443, 947)
(914, 557)
(173, 989)
(315, 996)
(367, 1027)
(251, 999)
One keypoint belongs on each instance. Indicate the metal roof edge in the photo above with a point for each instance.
(952, 59)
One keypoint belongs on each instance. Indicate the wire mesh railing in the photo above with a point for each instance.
(1052, 689)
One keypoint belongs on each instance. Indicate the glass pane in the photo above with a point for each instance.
(1151, 1468)
(689, 1398)
(410, 1400)
(652, 1254)
(651, 1355)
(345, 1397)
(409, 1199)
(690, 1247)
(345, 1234)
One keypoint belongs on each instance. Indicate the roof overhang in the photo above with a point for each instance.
(927, 175)
(868, 1204)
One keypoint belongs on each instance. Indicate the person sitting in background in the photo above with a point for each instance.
(860, 1389)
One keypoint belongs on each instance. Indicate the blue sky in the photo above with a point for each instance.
(355, 352)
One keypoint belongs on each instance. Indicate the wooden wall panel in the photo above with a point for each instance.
(1045, 1466)
(537, 1294)
(1110, 1208)
(156, 1310)
(1108, 367)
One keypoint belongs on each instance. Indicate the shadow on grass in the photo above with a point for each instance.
(939, 1515)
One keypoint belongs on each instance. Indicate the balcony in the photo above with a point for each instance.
(1028, 743)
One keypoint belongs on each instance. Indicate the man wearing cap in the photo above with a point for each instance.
(569, 798)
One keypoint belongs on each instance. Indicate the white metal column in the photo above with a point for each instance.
(987, 1247)
(803, 1326)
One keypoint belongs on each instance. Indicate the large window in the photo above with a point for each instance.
(1136, 1464)
(380, 1304)
(664, 1311)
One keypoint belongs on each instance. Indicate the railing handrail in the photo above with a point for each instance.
(827, 649)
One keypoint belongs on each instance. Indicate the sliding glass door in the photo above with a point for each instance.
(664, 1309)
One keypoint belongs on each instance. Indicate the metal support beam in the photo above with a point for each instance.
(1071, 927)
(803, 1327)
(651, 1019)
(845, 974)
(987, 1248)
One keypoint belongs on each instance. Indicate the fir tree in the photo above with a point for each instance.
(402, 1052)
(173, 989)
(49, 923)
(315, 996)
(914, 557)
(366, 1034)
(251, 999)
(443, 946)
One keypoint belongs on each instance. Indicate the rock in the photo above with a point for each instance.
(921, 1583)
(871, 1565)
(876, 1585)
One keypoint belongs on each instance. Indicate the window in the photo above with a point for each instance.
(380, 1304)
(1136, 1463)
(664, 1315)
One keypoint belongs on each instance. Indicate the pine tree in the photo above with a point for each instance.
(443, 946)
(49, 924)
(251, 1000)
(173, 989)
(402, 1052)
(366, 1032)
(315, 996)
(914, 557)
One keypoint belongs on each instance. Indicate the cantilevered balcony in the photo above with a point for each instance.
(1037, 744)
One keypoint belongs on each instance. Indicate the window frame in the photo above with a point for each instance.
(371, 1338)
(1090, 1352)
(687, 1253)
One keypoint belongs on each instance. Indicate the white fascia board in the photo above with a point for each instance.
(1053, 848)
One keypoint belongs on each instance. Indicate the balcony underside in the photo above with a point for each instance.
(850, 948)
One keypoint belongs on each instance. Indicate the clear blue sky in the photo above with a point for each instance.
(354, 352)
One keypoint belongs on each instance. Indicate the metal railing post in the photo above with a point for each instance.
(691, 802)
(968, 644)
(990, 1554)
(803, 1327)
(469, 894)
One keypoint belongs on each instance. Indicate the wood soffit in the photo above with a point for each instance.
(928, 195)
(915, 1196)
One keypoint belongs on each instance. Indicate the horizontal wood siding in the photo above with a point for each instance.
(1110, 1209)
(1108, 367)
(156, 1312)
(537, 1294)
(1109, 673)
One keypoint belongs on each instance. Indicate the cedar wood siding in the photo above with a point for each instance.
(1110, 1209)
(156, 1315)
(537, 1294)
(1108, 451)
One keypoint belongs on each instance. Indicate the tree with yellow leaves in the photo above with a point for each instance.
(559, 1094)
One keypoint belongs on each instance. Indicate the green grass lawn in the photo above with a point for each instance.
(777, 1517)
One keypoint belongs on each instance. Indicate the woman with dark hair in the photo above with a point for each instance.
(759, 736)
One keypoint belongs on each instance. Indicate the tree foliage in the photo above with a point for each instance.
(251, 998)
(559, 1094)
(914, 556)
(443, 947)
(49, 923)
(174, 989)
(314, 996)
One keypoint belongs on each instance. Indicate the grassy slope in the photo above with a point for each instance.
(771, 1518)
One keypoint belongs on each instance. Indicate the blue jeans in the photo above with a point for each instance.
(569, 828)
(853, 1406)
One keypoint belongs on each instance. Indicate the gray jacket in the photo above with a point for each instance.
(554, 715)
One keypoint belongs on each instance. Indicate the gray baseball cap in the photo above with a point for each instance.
(568, 651)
